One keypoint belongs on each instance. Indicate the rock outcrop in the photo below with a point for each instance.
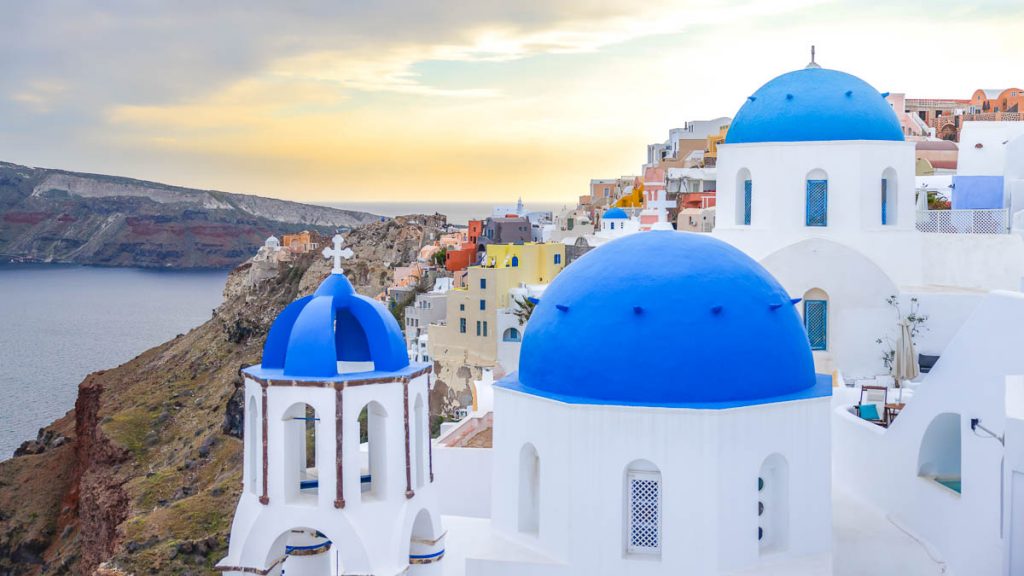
(57, 216)
(147, 471)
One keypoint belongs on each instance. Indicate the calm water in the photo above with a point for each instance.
(59, 323)
(457, 212)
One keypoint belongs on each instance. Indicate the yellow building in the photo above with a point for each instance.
(481, 330)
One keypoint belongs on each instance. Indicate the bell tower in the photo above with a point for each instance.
(338, 474)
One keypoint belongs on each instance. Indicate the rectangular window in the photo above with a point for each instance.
(746, 202)
(558, 258)
(817, 202)
(462, 307)
(477, 327)
(644, 534)
(483, 283)
(485, 328)
(885, 201)
(816, 323)
(462, 325)
(483, 304)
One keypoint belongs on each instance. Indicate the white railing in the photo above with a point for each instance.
(964, 221)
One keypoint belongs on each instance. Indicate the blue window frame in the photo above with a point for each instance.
(462, 325)
(885, 201)
(746, 202)
(558, 258)
(483, 283)
(816, 323)
(515, 261)
(483, 304)
(817, 202)
(462, 307)
(511, 335)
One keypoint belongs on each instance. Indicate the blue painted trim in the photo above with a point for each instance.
(290, 549)
(885, 201)
(426, 556)
(306, 418)
(306, 484)
(817, 203)
(365, 479)
(747, 201)
(822, 388)
(816, 323)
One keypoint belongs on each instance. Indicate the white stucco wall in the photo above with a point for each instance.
(881, 465)
(709, 482)
(371, 534)
(462, 477)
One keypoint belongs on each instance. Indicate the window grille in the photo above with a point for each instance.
(746, 202)
(644, 513)
(462, 325)
(816, 323)
(817, 202)
(885, 201)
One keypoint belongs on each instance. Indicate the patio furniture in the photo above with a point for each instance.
(871, 399)
(892, 411)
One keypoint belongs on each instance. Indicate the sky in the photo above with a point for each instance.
(441, 100)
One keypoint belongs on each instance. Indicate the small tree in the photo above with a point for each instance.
(524, 308)
(914, 319)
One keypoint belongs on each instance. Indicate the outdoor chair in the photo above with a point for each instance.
(872, 405)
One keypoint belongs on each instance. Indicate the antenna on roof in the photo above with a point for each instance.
(813, 64)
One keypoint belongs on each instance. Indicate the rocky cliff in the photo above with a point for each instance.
(57, 216)
(143, 475)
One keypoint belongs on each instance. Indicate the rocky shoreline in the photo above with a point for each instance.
(143, 475)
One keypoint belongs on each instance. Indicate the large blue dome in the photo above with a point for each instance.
(666, 319)
(813, 105)
(335, 324)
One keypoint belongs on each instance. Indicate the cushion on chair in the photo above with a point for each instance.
(868, 411)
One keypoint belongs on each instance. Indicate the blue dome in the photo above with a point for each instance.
(615, 213)
(311, 335)
(813, 105)
(666, 319)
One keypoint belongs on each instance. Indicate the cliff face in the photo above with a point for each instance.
(56, 216)
(143, 475)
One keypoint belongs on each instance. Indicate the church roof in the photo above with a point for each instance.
(812, 105)
(334, 324)
(615, 213)
(666, 319)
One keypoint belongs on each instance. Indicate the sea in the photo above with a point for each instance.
(459, 213)
(58, 323)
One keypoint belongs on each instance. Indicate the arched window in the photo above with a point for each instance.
(817, 198)
(301, 478)
(529, 490)
(744, 197)
(420, 436)
(773, 504)
(816, 318)
(373, 432)
(642, 493)
(254, 441)
(888, 200)
(939, 456)
(515, 261)
(511, 335)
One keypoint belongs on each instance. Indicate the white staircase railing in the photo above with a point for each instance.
(964, 221)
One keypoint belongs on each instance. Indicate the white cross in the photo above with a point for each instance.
(337, 253)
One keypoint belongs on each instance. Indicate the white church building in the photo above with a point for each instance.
(685, 403)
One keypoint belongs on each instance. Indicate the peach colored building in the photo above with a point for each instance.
(300, 243)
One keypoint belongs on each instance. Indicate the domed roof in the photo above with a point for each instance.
(335, 324)
(666, 319)
(615, 213)
(814, 104)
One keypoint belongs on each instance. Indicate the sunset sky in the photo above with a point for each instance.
(369, 100)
